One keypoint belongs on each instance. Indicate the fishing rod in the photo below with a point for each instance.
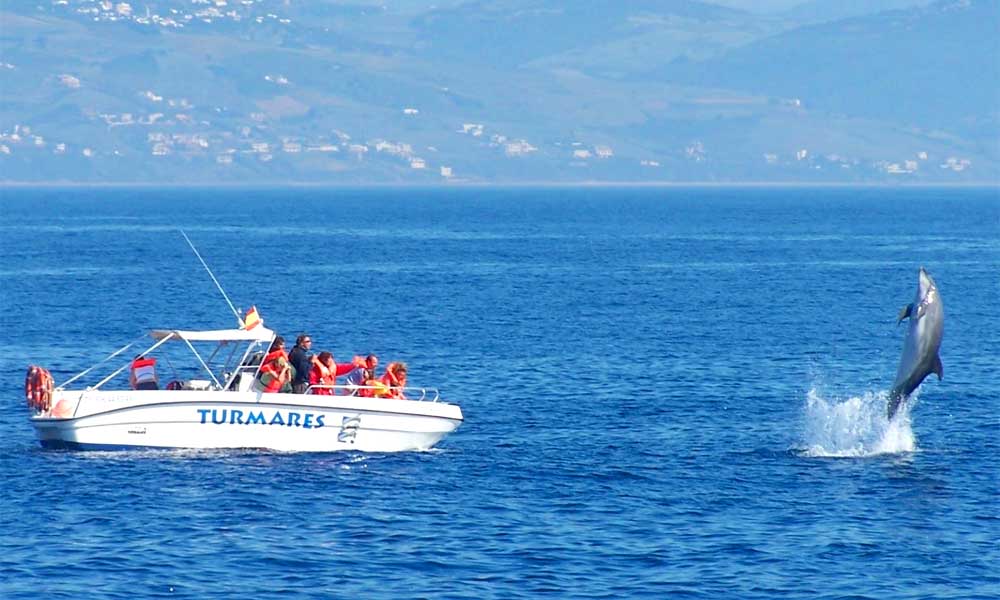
(210, 274)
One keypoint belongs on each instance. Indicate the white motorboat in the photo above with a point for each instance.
(212, 402)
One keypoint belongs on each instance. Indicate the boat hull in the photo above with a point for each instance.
(283, 422)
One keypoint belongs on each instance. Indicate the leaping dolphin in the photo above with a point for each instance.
(923, 339)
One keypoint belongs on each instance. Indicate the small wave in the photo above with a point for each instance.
(856, 427)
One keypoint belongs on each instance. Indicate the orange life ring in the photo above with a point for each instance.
(38, 389)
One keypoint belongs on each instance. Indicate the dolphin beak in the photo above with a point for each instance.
(925, 284)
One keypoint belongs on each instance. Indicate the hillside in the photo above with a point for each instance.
(936, 67)
(268, 91)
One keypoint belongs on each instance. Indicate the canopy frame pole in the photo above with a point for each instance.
(256, 371)
(234, 368)
(227, 365)
(198, 356)
(106, 359)
(218, 348)
(126, 365)
(176, 374)
(239, 370)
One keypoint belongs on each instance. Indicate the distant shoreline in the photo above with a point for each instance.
(6, 185)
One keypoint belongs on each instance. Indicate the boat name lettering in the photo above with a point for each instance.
(117, 398)
(235, 416)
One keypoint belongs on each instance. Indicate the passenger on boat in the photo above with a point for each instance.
(361, 377)
(302, 363)
(394, 380)
(277, 344)
(142, 374)
(325, 371)
(275, 371)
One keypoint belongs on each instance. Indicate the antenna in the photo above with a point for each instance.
(233, 308)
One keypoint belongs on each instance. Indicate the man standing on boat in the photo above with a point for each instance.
(302, 362)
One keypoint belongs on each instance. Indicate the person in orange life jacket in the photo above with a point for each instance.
(395, 379)
(275, 372)
(302, 363)
(325, 372)
(142, 374)
(360, 377)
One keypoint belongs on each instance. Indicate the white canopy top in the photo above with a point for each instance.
(257, 334)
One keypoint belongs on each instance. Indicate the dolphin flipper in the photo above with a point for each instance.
(904, 312)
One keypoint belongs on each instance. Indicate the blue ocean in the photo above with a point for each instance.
(668, 393)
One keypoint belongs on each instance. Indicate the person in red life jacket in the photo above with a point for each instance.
(142, 374)
(275, 371)
(325, 371)
(395, 380)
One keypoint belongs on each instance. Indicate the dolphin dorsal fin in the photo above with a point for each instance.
(937, 367)
(904, 312)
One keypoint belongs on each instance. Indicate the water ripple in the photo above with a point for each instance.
(668, 395)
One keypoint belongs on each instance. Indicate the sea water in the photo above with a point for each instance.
(668, 392)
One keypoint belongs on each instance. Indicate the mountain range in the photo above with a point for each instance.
(507, 91)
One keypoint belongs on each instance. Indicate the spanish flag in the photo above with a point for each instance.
(252, 319)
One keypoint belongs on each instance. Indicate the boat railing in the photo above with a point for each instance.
(417, 394)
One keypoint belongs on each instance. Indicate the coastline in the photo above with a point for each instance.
(5, 185)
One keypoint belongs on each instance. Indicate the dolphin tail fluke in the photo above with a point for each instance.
(938, 368)
(895, 398)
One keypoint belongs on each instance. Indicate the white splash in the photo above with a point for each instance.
(856, 427)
